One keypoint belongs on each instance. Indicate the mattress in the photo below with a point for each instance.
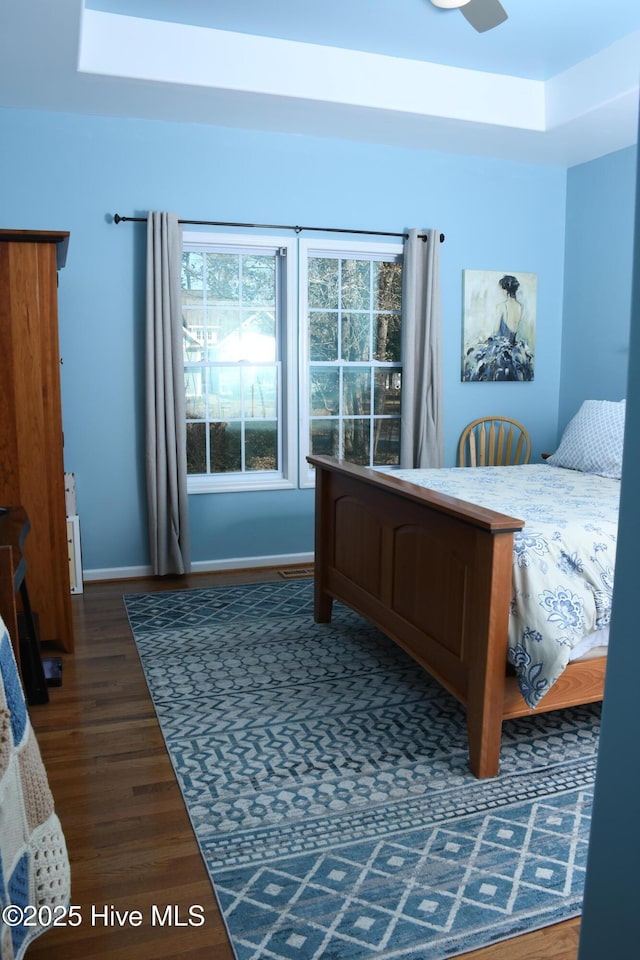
(563, 559)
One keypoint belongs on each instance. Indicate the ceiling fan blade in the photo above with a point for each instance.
(484, 14)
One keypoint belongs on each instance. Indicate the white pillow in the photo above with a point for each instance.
(592, 441)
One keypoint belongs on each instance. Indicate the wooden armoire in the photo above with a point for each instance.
(31, 455)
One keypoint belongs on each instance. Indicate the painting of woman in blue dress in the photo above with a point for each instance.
(499, 326)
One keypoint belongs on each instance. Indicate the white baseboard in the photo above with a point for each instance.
(116, 573)
(202, 566)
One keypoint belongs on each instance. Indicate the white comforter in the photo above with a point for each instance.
(563, 559)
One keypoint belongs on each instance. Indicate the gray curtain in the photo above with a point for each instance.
(422, 433)
(166, 459)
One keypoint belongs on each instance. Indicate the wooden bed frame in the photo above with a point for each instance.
(434, 574)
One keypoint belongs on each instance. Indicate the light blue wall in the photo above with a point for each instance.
(69, 172)
(597, 290)
(611, 919)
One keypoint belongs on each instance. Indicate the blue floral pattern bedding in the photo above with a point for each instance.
(563, 559)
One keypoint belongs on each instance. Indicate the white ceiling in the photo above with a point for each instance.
(556, 83)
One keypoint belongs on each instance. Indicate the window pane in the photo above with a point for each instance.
(323, 283)
(387, 285)
(223, 392)
(323, 336)
(356, 392)
(387, 346)
(225, 440)
(244, 345)
(355, 336)
(195, 401)
(356, 440)
(386, 386)
(260, 393)
(196, 448)
(355, 290)
(192, 279)
(261, 446)
(223, 276)
(386, 442)
(259, 279)
(233, 335)
(257, 336)
(260, 320)
(324, 392)
(193, 325)
(324, 438)
(222, 324)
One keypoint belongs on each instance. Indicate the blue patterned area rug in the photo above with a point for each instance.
(326, 779)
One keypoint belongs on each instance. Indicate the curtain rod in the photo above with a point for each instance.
(276, 226)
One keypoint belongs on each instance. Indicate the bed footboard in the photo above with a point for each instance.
(432, 572)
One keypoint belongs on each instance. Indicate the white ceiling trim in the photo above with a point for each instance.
(588, 110)
(612, 74)
(121, 46)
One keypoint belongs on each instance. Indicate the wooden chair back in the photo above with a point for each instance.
(494, 442)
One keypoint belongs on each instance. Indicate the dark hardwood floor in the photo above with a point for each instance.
(129, 838)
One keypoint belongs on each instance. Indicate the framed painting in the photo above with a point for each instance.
(499, 326)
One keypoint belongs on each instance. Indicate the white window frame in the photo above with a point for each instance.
(287, 477)
(338, 248)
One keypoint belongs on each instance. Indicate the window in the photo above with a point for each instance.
(278, 365)
(238, 361)
(351, 300)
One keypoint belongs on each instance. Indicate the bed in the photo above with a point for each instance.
(447, 577)
(34, 866)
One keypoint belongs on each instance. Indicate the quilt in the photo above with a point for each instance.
(563, 558)
(34, 865)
